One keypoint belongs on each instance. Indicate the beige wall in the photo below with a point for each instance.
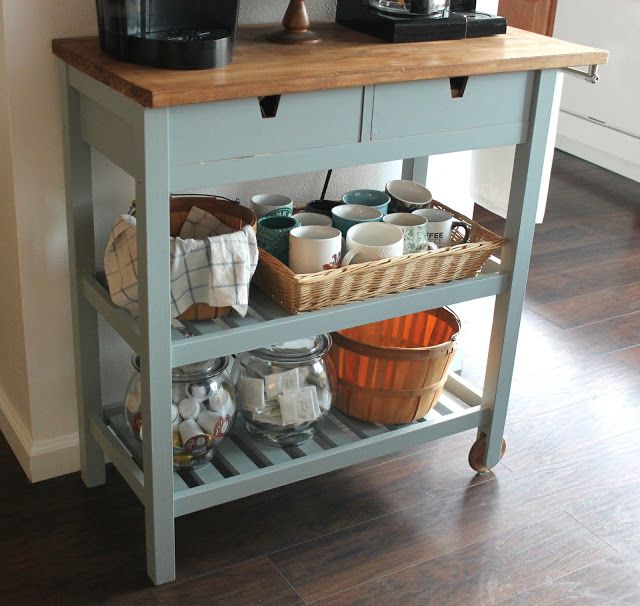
(38, 342)
(13, 365)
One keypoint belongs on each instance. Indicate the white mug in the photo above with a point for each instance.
(314, 248)
(271, 204)
(414, 228)
(313, 219)
(440, 225)
(373, 241)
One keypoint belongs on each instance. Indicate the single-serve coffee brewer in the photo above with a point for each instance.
(418, 20)
(174, 34)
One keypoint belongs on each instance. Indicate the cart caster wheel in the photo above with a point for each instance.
(476, 454)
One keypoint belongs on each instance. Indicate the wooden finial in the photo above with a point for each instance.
(296, 26)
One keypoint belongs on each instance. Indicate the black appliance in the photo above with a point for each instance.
(460, 21)
(174, 34)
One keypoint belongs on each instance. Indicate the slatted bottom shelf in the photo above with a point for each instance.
(243, 465)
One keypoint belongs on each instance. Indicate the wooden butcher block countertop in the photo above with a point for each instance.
(344, 58)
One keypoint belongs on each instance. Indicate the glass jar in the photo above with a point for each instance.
(283, 390)
(203, 409)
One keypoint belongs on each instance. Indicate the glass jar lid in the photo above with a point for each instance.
(300, 350)
(192, 372)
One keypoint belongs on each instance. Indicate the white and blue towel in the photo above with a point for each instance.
(210, 263)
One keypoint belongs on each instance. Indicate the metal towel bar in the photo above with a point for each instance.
(590, 76)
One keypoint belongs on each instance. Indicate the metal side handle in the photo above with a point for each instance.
(590, 76)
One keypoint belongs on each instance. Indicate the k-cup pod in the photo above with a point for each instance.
(137, 423)
(178, 393)
(219, 400)
(177, 440)
(189, 408)
(193, 437)
(214, 424)
(199, 391)
(134, 401)
(176, 419)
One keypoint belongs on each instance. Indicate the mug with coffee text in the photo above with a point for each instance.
(440, 225)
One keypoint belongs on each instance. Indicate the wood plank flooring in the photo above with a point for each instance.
(556, 522)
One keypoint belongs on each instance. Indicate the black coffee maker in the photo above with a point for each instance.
(174, 34)
(415, 21)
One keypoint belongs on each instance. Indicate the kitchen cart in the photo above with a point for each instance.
(281, 110)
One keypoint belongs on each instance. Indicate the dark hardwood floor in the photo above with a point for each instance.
(556, 522)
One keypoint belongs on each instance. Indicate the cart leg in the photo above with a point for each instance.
(152, 200)
(77, 156)
(415, 169)
(528, 173)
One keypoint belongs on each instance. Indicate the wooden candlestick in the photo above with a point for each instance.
(296, 26)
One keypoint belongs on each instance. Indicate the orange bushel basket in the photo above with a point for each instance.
(394, 371)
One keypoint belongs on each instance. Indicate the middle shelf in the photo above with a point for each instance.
(267, 323)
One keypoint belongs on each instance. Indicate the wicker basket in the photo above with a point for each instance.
(394, 371)
(231, 214)
(307, 292)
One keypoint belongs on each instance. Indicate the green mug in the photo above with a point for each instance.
(273, 235)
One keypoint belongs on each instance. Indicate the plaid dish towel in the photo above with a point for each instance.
(210, 263)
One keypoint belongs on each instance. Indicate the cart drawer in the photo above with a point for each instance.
(431, 106)
(252, 126)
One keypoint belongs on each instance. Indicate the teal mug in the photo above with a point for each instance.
(369, 197)
(273, 235)
(348, 215)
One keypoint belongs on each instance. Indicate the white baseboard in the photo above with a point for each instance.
(40, 459)
(613, 150)
(16, 433)
(54, 457)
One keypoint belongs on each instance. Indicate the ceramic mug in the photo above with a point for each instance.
(313, 219)
(314, 248)
(346, 216)
(273, 235)
(268, 205)
(322, 207)
(373, 241)
(407, 196)
(368, 197)
(414, 228)
(440, 225)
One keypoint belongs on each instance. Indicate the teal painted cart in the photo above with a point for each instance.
(350, 100)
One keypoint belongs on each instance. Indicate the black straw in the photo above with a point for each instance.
(326, 183)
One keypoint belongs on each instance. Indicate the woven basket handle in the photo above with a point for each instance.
(132, 208)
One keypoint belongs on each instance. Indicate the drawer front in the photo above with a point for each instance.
(429, 106)
(237, 128)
